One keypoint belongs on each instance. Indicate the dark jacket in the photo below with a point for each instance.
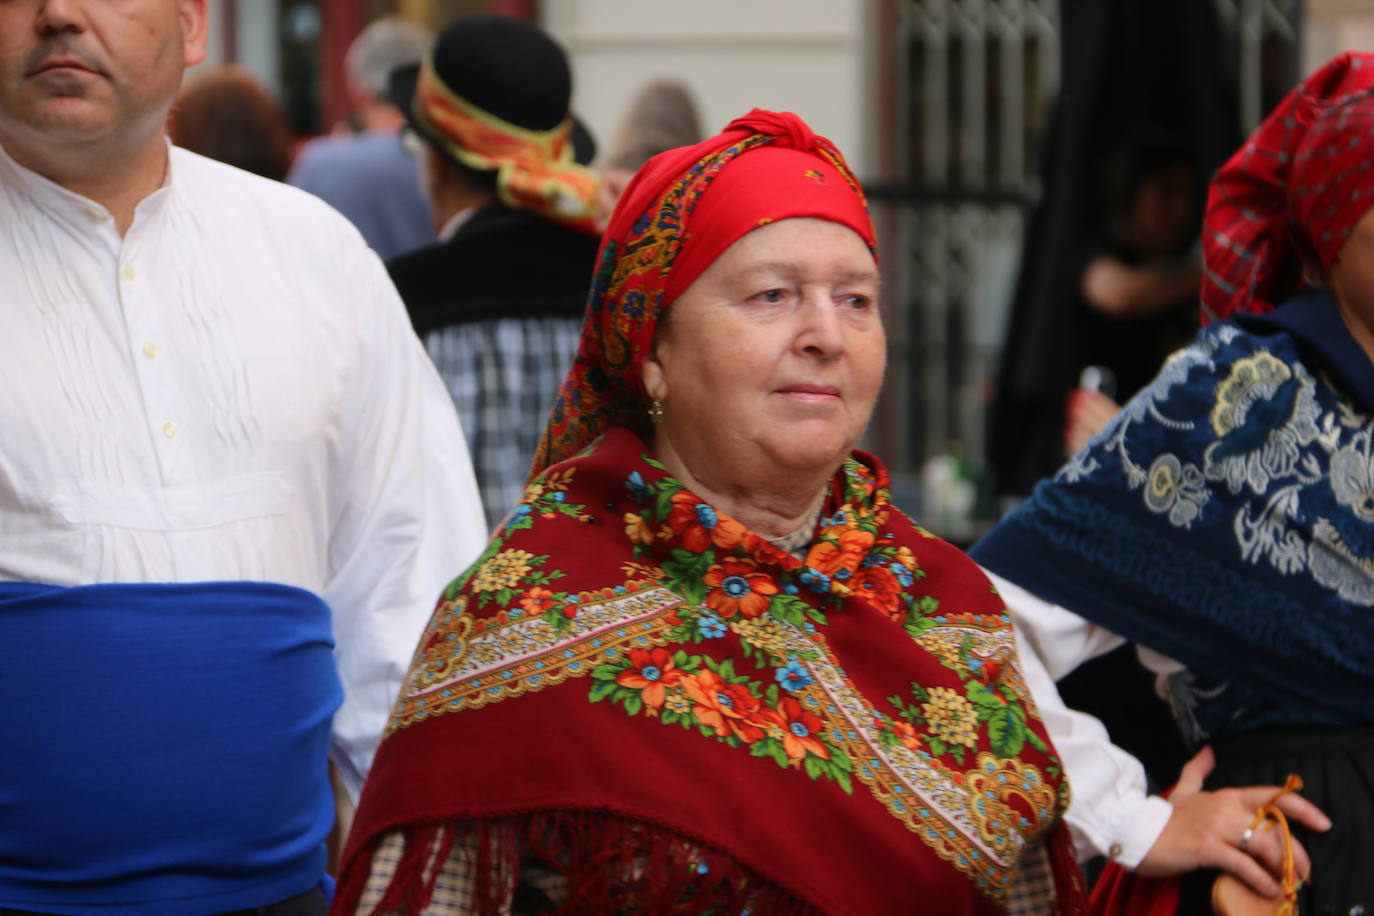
(501, 263)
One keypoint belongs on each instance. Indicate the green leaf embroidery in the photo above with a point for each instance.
(983, 698)
(1006, 733)
(602, 689)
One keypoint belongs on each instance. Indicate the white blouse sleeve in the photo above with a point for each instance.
(1110, 813)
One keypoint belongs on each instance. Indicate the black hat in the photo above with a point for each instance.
(494, 97)
(507, 67)
(401, 93)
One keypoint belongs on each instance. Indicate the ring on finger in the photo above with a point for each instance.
(1245, 837)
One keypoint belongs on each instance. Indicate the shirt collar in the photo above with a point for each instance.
(1314, 320)
(77, 210)
(455, 222)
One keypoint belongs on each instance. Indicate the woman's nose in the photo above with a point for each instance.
(820, 332)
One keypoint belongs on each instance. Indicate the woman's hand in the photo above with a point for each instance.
(1206, 829)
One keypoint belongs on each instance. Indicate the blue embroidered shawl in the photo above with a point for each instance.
(1224, 518)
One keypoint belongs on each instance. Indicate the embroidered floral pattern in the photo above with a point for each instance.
(950, 717)
(738, 587)
(718, 633)
(1279, 446)
(1255, 557)
(1175, 490)
(1264, 414)
(504, 571)
(1352, 478)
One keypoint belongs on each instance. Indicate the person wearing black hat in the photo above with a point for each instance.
(498, 300)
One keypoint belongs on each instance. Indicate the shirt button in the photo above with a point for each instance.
(129, 272)
(150, 349)
(97, 214)
(169, 429)
(1115, 851)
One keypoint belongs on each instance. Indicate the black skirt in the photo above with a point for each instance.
(1337, 769)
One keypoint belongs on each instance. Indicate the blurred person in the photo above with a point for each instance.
(498, 300)
(363, 171)
(229, 115)
(1150, 99)
(229, 479)
(661, 116)
(1139, 290)
(706, 665)
(1222, 520)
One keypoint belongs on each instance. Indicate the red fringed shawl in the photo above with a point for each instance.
(628, 678)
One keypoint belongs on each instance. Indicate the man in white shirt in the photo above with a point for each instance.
(231, 488)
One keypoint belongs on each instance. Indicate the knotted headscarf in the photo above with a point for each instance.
(535, 168)
(1295, 190)
(679, 213)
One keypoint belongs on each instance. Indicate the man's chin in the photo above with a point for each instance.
(68, 119)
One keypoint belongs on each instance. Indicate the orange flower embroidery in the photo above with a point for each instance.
(879, 585)
(829, 558)
(700, 526)
(799, 730)
(653, 672)
(735, 586)
(727, 708)
(906, 733)
(537, 600)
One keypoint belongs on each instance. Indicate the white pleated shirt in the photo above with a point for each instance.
(231, 391)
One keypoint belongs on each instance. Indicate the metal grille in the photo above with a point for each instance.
(1264, 34)
(981, 79)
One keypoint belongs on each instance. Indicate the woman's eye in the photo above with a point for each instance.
(770, 295)
(857, 302)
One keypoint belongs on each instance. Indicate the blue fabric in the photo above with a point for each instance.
(164, 746)
(372, 180)
(1226, 519)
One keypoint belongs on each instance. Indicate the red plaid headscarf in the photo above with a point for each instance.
(766, 166)
(1297, 187)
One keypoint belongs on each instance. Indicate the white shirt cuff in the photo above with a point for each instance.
(1137, 827)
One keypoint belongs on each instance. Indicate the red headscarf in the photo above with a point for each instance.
(681, 211)
(1297, 187)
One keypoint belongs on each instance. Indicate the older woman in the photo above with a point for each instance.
(706, 665)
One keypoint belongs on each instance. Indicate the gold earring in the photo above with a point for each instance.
(656, 411)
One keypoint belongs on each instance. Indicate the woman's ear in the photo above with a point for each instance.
(655, 382)
(1312, 274)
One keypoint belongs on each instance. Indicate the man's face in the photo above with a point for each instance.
(85, 71)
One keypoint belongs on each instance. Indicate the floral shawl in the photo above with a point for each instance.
(636, 678)
(1226, 519)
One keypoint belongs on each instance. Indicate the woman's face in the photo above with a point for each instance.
(1351, 280)
(771, 360)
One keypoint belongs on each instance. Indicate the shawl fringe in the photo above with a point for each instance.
(611, 865)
